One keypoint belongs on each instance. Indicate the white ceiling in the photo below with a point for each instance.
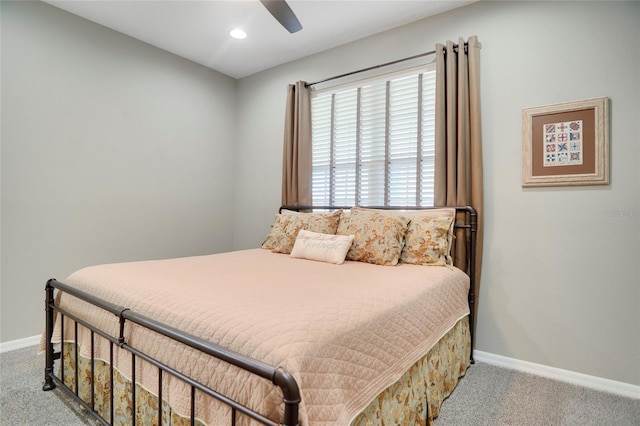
(199, 30)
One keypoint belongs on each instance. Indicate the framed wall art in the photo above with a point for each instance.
(566, 144)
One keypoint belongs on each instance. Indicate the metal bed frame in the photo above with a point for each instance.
(277, 375)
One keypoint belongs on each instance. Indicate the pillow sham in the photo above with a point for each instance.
(286, 226)
(429, 235)
(427, 241)
(321, 247)
(378, 238)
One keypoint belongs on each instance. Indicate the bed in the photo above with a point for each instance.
(343, 317)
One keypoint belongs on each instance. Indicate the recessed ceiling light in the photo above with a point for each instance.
(238, 33)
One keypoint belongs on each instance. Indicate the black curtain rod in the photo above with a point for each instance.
(377, 66)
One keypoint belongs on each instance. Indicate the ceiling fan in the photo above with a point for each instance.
(283, 14)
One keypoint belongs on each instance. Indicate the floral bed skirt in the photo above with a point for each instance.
(429, 381)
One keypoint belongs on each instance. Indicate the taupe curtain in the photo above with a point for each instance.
(458, 137)
(296, 161)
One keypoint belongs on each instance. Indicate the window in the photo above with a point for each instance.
(373, 142)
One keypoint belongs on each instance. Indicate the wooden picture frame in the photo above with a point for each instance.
(566, 144)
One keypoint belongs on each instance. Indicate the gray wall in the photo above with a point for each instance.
(112, 150)
(147, 166)
(561, 274)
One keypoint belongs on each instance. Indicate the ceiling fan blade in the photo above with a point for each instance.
(283, 14)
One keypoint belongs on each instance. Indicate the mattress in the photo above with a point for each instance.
(346, 332)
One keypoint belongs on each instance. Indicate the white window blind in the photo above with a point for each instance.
(373, 142)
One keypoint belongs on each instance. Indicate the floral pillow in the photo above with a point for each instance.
(378, 238)
(286, 227)
(429, 236)
(427, 241)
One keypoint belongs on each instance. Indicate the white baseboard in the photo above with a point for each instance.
(19, 344)
(593, 382)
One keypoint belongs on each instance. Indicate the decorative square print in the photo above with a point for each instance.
(560, 138)
(566, 144)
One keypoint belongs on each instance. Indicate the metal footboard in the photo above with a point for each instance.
(277, 375)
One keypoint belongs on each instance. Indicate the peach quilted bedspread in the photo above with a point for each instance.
(346, 332)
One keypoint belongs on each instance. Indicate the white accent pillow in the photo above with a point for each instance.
(322, 247)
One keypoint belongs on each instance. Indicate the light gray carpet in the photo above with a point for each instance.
(490, 395)
(486, 396)
(22, 400)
